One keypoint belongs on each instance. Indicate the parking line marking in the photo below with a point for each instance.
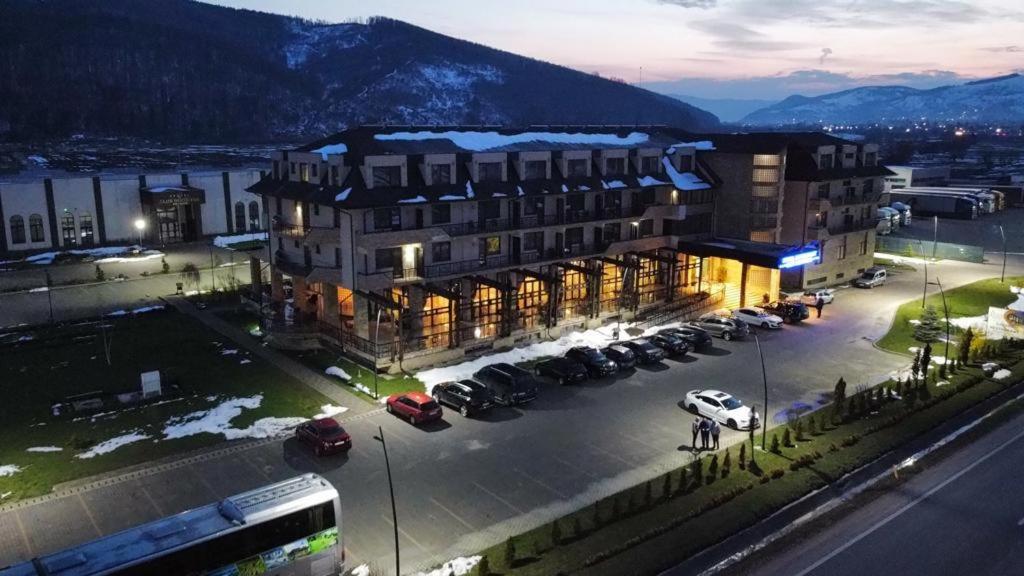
(257, 468)
(541, 484)
(641, 442)
(408, 537)
(205, 482)
(453, 514)
(612, 454)
(24, 535)
(152, 501)
(88, 514)
(575, 467)
(498, 498)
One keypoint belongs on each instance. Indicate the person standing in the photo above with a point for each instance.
(819, 304)
(695, 429)
(705, 431)
(716, 430)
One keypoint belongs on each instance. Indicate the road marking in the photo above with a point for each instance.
(204, 482)
(612, 454)
(88, 513)
(541, 484)
(402, 531)
(575, 467)
(453, 514)
(498, 498)
(151, 500)
(908, 506)
(257, 468)
(24, 535)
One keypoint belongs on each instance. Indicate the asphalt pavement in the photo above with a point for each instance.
(964, 515)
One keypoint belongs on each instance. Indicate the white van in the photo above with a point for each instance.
(874, 276)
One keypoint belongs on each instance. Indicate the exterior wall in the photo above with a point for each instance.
(833, 270)
(732, 203)
(74, 196)
(24, 199)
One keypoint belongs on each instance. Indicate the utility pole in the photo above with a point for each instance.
(924, 290)
(1002, 275)
(391, 487)
(49, 293)
(945, 311)
(764, 378)
(376, 338)
(935, 237)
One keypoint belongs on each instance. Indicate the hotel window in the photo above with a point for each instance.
(615, 166)
(337, 257)
(440, 174)
(316, 248)
(489, 210)
(239, 217)
(67, 229)
(387, 258)
(388, 218)
(277, 169)
(825, 161)
(277, 205)
(533, 241)
(490, 246)
(647, 196)
(387, 176)
(440, 214)
(17, 230)
(868, 187)
(824, 190)
(576, 168)
(334, 175)
(536, 170)
(35, 228)
(488, 172)
(864, 245)
(650, 165)
(766, 175)
(841, 249)
(254, 216)
(647, 228)
(575, 202)
(441, 251)
(316, 209)
(574, 236)
(848, 155)
(686, 163)
(870, 158)
(612, 232)
(85, 229)
(314, 167)
(304, 172)
(292, 167)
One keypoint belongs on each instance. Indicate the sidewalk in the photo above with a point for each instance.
(310, 378)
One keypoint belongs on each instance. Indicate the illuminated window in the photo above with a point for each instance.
(492, 245)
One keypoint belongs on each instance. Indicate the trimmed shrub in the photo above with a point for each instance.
(483, 567)
(100, 274)
(743, 456)
(713, 466)
(165, 268)
(726, 464)
(787, 441)
(510, 553)
(850, 440)
(648, 497)
(775, 444)
(764, 480)
(838, 398)
(683, 480)
(666, 486)
(778, 473)
(556, 533)
(799, 430)
(697, 468)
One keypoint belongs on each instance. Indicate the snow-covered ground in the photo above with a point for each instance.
(9, 470)
(44, 449)
(112, 444)
(105, 254)
(1002, 374)
(330, 410)
(455, 567)
(226, 241)
(338, 372)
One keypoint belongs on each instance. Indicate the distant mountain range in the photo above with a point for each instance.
(727, 109)
(992, 100)
(184, 71)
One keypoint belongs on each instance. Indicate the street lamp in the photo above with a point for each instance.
(376, 338)
(140, 225)
(391, 487)
(764, 378)
(945, 311)
(924, 291)
(1002, 275)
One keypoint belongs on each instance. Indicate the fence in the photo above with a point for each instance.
(928, 249)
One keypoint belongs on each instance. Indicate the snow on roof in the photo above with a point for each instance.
(565, 188)
(613, 184)
(451, 197)
(416, 200)
(480, 141)
(650, 181)
(519, 190)
(699, 145)
(343, 195)
(499, 195)
(469, 189)
(683, 180)
(160, 189)
(583, 188)
(338, 148)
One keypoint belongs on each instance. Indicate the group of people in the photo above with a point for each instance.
(708, 430)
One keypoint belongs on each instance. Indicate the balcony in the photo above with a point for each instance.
(817, 233)
(819, 205)
(504, 260)
(525, 221)
(858, 226)
(315, 234)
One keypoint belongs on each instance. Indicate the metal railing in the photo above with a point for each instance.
(525, 221)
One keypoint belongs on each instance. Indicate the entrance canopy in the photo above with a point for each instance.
(777, 256)
(165, 196)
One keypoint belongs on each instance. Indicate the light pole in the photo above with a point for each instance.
(924, 290)
(1002, 275)
(376, 338)
(945, 311)
(140, 225)
(935, 237)
(49, 293)
(764, 378)
(391, 488)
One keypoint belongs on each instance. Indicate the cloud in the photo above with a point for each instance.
(1013, 49)
(705, 4)
(733, 37)
(825, 53)
(858, 13)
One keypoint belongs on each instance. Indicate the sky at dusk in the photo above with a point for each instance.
(763, 49)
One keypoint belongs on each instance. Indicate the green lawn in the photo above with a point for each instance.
(387, 384)
(969, 300)
(648, 528)
(248, 245)
(35, 375)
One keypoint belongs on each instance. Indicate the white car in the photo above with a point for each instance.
(721, 407)
(811, 296)
(757, 317)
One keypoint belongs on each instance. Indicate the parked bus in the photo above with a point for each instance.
(936, 204)
(288, 528)
(986, 201)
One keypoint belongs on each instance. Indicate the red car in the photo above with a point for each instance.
(325, 435)
(416, 407)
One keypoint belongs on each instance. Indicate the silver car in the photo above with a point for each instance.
(724, 327)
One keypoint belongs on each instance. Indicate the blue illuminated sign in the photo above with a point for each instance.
(798, 259)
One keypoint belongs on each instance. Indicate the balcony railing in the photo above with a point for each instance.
(865, 224)
(524, 221)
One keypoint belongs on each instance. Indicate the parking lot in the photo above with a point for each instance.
(462, 484)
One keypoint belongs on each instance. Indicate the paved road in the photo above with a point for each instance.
(963, 516)
(464, 484)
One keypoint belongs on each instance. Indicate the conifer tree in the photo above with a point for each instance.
(510, 553)
(928, 329)
(743, 456)
(775, 444)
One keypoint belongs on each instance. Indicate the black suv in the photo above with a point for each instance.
(645, 352)
(670, 343)
(791, 312)
(597, 364)
(563, 370)
(509, 384)
(697, 339)
(621, 355)
(468, 397)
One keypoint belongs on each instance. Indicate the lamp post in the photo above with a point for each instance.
(924, 290)
(376, 338)
(140, 226)
(1002, 275)
(945, 311)
(391, 488)
(49, 293)
(764, 379)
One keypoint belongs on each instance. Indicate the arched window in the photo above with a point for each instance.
(254, 216)
(239, 217)
(35, 228)
(85, 228)
(67, 229)
(17, 230)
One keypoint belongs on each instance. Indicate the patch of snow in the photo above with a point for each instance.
(245, 361)
(914, 322)
(519, 190)
(5, 495)
(336, 371)
(416, 200)
(328, 410)
(144, 256)
(456, 567)
(343, 195)
(9, 470)
(977, 323)
(990, 367)
(469, 189)
(451, 198)
(117, 313)
(498, 195)
(913, 349)
(44, 449)
(361, 570)
(40, 289)
(38, 160)
(225, 241)
(565, 188)
(583, 188)
(217, 420)
(613, 184)
(323, 151)
(481, 141)
(108, 446)
(256, 332)
(145, 309)
(650, 181)
(1002, 374)
(683, 180)
(228, 352)
(698, 145)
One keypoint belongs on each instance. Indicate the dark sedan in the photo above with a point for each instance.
(562, 370)
(645, 352)
(467, 396)
(792, 312)
(671, 344)
(596, 363)
(697, 339)
(621, 355)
